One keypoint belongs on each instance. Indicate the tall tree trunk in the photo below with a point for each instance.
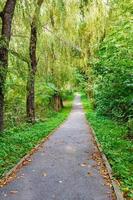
(6, 16)
(30, 101)
(31, 76)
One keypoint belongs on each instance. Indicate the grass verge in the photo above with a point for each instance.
(116, 147)
(17, 142)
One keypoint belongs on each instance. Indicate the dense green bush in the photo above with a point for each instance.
(114, 66)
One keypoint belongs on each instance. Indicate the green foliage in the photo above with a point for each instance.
(81, 80)
(114, 67)
(68, 94)
(82, 45)
(117, 149)
(18, 141)
(54, 66)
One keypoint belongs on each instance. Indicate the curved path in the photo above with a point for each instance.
(63, 169)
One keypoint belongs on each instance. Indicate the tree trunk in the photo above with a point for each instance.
(31, 76)
(30, 102)
(6, 16)
(58, 102)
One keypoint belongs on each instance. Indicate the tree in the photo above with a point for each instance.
(6, 17)
(30, 105)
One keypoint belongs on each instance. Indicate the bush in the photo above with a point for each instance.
(113, 70)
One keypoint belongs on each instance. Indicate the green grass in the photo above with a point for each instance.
(119, 150)
(17, 142)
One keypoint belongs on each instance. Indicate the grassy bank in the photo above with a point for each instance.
(118, 149)
(17, 142)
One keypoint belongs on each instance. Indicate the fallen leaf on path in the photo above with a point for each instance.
(102, 169)
(60, 181)
(14, 192)
(44, 174)
(89, 174)
(83, 164)
(25, 162)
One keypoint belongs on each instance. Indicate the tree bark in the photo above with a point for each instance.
(31, 76)
(58, 102)
(30, 100)
(6, 17)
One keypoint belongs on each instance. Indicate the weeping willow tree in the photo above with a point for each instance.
(91, 31)
(53, 40)
(105, 62)
(55, 43)
(51, 52)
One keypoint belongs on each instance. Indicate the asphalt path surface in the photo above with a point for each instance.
(63, 169)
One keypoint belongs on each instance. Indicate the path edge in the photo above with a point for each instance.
(116, 188)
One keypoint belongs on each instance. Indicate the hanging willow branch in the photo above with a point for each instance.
(66, 42)
(19, 56)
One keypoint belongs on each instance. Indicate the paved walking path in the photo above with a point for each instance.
(63, 168)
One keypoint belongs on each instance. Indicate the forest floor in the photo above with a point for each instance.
(68, 166)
